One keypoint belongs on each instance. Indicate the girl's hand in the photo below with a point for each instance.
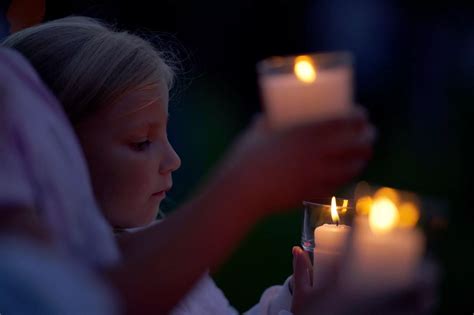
(301, 283)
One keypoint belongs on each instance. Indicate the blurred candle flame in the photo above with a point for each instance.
(387, 208)
(363, 205)
(389, 193)
(383, 216)
(409, 215)
(304, 69)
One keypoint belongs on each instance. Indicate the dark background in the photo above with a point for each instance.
(414, 72)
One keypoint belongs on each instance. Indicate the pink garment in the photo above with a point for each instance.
(42, 165)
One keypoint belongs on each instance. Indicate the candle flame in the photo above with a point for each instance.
(334, 215)
(383, 216)
(304, 69)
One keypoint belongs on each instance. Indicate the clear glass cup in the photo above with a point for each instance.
(318, 212)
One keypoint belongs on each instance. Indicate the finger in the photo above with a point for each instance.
(342, 139)
(335, 142)
(294, 252)
(355, 119)
(304, 256)
(302, 272)
(318, 140)
(340, 172)
(307, 259)
(329, 180)
(354, 151)
(291, 283)
(309, 266)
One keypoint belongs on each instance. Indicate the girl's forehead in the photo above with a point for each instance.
(144, 102)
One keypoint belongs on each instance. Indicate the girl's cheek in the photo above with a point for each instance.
(124, 157)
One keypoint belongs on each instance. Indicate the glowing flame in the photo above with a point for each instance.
(409, 215)
(304, 69)
(334, 215)
(383, 215)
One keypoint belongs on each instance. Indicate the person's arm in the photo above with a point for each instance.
(266, 172)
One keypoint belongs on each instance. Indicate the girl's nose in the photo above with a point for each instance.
(171, 161)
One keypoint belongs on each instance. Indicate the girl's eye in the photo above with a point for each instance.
(141, 146)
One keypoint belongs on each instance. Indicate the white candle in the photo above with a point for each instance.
(383, 257)
(329, 241)
(291, 98)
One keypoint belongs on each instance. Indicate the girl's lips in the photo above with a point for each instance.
(160, 193)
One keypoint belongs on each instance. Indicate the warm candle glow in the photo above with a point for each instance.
(304, 69)
(334, 215)
(345, 203)
(409, 215)
(388, 193)
(383, 216)
(363, 205)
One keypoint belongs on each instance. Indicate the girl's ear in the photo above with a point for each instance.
(25, 13)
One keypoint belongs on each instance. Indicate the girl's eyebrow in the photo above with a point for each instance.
(133, 111)
(149, 124)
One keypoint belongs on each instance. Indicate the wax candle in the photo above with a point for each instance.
(329, 241)
(384, 256)
(311, 91)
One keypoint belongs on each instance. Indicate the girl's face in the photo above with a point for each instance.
(129, 156)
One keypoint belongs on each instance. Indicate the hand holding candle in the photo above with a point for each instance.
(384, 250)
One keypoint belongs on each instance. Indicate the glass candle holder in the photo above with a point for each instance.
(295, 89)
(326, 228)
(318, 213)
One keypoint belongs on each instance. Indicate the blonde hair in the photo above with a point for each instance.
(88, 64)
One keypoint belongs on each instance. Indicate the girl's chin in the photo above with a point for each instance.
(136, 223)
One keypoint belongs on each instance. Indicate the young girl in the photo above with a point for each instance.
(114, 89)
